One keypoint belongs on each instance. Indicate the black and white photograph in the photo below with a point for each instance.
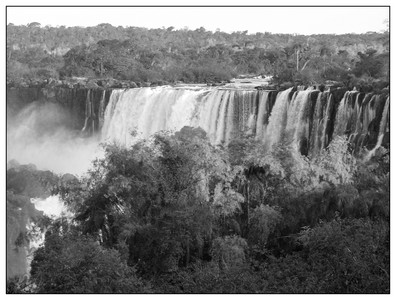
(197, 149)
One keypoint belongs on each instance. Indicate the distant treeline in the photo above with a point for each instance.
(191, 56)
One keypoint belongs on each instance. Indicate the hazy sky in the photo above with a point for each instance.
(301, 20)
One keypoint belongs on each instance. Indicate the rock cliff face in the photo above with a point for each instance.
(79, 104)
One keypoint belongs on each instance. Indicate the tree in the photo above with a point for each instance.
(34, 24)
(71, 263)
(372, 64)
(156, 199)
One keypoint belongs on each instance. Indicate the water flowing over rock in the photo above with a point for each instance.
(359, 117)
(383, 129)
(305, 119)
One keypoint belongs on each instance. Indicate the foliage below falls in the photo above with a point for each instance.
(175, 214)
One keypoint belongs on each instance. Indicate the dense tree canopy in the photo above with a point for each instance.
(168, 55)
(71, 263)
(175, 214)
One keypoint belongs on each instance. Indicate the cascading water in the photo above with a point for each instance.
(226, 114)
(302, 119)
(223, 114)
(359, 117)
(344, 113)
(321, 122)
(278, 119)
(148, 111)
(306, 119)
(263, 115)
(383, 127)
(297, 127)
(102, 109)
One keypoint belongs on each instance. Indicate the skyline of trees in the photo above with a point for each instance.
(169, 55)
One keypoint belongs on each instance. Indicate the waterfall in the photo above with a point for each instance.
(223, 114)
(262, 115)
(304, 119)
(383, 128)
(321, 122)
(297, 127)
(368, 113)
(102, 108)
(209, 113)
(221, 124)
(230, 127)
(147, 111)
(344, 113)
(278, 119)
(318, 126)
(384, 123)
(89, 124)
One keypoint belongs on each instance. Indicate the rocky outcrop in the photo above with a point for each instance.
(73, 101)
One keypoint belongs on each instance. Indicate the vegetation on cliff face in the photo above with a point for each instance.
(178, 215)
(167, 55)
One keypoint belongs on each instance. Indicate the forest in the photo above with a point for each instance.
(175, 214)
(166, 55)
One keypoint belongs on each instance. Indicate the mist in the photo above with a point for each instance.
(39, 135)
